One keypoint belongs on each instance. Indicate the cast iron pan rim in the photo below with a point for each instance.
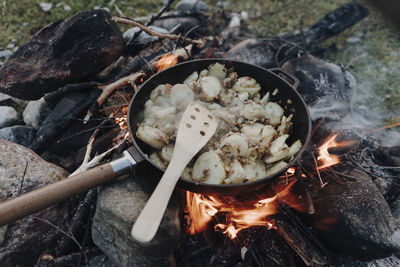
(222, 186)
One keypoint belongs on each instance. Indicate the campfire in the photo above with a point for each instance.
(239, 215)
(337, 204)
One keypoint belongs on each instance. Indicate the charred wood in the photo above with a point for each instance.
(68, 108)
(78, 225)
(54, 96)
(272, 52)
(302, 240)
(73, 160)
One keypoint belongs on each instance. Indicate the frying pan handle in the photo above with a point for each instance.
(46, 196)
(289, 78)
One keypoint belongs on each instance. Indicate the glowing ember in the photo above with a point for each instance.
(201, 210)
(121, 120)
(327, 159)
(166, 61)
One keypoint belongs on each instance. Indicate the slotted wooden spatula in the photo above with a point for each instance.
(196, 127)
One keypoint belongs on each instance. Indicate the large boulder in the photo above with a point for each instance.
(118, 207)
(63, 52)
(22, 242)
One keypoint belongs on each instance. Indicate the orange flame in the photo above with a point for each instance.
(166, 61)
(327, 159)
(202, 208)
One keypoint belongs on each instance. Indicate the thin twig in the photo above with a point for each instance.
(23, 179)
(59, 229)
(166, 7)
(151, 32)
(85, 131)
(319, 175)
(91, 140)
(154, 18)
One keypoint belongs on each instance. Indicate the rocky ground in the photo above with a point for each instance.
(370, 51)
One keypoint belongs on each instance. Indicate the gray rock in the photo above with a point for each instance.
(26, 239)
(320, 78)
(65, 52)
(8, 116)
(118, 206)
(353, 40)
(6, 100)
(46, 7)
(100, 261)
(185, 24)
(22, 135)
(354, 218)
(192, 5)
(35, 112)
(5, 54)
(144, 39)
(327, 88)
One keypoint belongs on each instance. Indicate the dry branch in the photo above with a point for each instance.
(96, 160)
(159, 35)
(108, 89)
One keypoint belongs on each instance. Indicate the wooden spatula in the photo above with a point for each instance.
(196, 127)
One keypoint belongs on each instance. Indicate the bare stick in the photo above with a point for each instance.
(23, 178)
(319, 175)
(160, 12)
(108, 89)
(151, 32)
(91, 140)
(96, 160)
(60, 230)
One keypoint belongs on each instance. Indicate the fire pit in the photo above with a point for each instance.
(336, 206)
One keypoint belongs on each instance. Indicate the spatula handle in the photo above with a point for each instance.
(46, 196)
(148, 222)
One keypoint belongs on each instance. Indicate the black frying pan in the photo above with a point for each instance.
(136, 155)
(268, 79)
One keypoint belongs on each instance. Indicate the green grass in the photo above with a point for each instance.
(14, 13)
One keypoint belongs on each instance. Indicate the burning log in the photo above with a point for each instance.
(302, 240)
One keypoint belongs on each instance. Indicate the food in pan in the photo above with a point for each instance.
(250, 141)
